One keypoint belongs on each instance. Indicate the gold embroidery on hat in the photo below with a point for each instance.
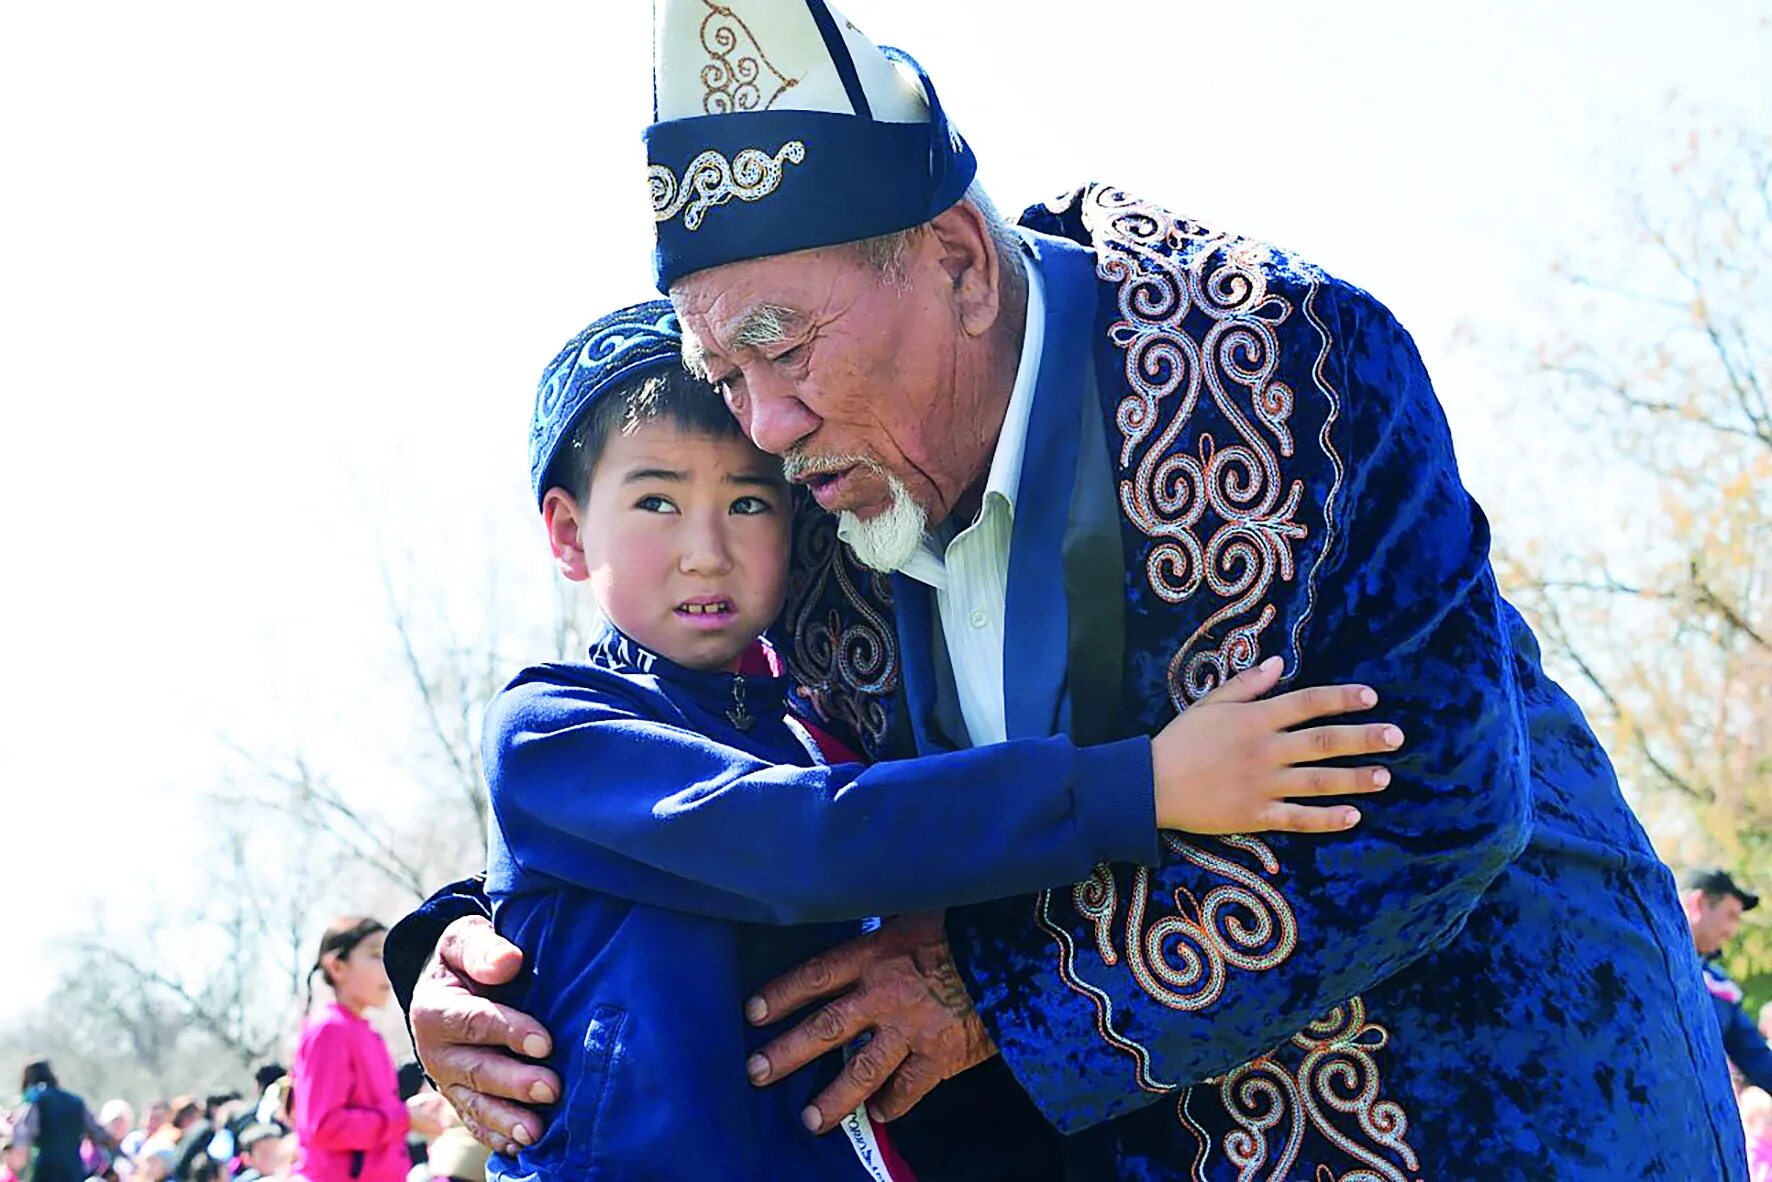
(712, 180)
(733, 78)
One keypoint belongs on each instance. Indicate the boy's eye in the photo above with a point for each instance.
(751, 507)
(655, 504)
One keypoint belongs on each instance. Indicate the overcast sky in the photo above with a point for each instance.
(277, 281)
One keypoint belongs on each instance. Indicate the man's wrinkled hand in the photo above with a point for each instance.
(470, 1045)
(899, 984)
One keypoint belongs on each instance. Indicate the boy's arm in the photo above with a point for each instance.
(586, 791)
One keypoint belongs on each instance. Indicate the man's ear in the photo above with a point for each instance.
(968, 254)
(564, 522)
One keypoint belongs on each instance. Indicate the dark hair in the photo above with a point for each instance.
(38, 1071)
(344, 935)
(410, 1076)
(673, 395)
(269, 1074)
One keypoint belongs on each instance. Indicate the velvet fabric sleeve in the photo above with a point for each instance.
(412, 940)
(588, 789)
(1109, 995)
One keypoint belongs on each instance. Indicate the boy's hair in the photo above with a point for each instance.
(671, 394)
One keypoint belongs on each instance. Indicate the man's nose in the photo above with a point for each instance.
(778, 418)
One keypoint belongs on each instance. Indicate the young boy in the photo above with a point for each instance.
(666, 837)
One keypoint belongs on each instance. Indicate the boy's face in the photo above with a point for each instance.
(684, 538)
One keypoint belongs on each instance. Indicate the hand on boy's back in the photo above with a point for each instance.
(474, 1049)
(897, 984)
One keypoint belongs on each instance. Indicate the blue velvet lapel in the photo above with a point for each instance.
(914, 605)
(1035, 627)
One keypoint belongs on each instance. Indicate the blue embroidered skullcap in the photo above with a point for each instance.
(612, 352)
(778, 126)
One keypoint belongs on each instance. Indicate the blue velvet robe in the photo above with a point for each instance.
(1490, 977)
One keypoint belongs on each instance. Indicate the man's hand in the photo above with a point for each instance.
(453, 1028)
(900, 983)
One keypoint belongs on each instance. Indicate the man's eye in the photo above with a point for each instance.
(792, 356)
(751, 507)
(655, 504)
(731, 393)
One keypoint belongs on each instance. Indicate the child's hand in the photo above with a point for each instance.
(1229, 763)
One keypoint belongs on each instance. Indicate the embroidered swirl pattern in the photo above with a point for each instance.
(711, 180)
(595, 354)
(844, 651)
(1199, 327)
(1334, 1092)
(1198, 322)
(734, 77)
(1179, 960)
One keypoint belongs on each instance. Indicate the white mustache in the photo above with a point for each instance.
(798, 465)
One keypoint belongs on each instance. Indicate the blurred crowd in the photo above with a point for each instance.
(51, 1135)
(341, 1113)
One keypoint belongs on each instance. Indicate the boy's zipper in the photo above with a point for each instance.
(738, 716)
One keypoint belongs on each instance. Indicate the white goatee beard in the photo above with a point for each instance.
(887, 541)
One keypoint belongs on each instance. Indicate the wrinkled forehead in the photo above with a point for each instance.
(753, 301)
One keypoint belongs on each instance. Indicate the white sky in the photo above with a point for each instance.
(277, 280)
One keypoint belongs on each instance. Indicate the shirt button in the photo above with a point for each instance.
(978, 619)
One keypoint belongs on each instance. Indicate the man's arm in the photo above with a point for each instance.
(1111, 994)
(587, 790)
(412, 942)
(1106, 996)
(443, 960)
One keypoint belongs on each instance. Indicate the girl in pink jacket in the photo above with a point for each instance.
(349, 1118)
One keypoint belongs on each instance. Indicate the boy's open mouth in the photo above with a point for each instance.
(705, 607)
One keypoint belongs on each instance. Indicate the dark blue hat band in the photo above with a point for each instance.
(613, 351)
(758, 183)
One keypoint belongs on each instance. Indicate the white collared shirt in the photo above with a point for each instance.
(970, 575)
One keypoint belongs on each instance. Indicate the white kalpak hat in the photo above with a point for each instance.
(778, 126)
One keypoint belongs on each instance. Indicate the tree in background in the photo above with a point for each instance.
(1661, 359)
(216, 984)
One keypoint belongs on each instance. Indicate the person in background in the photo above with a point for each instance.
(349, 1120)
(116, 1117)
(267, 1109)
(266, 1152)
(158, 1113)
(430, 1113)
(455, 1156)
(55, 1122)
(184, 1112)
(1714, 905)
(156, 1164)
(205, 1144)
(15, 1155)
(1756, 1122)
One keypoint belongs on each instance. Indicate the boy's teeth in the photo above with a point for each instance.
(702, 609)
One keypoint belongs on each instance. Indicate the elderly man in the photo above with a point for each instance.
(1110, 457)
